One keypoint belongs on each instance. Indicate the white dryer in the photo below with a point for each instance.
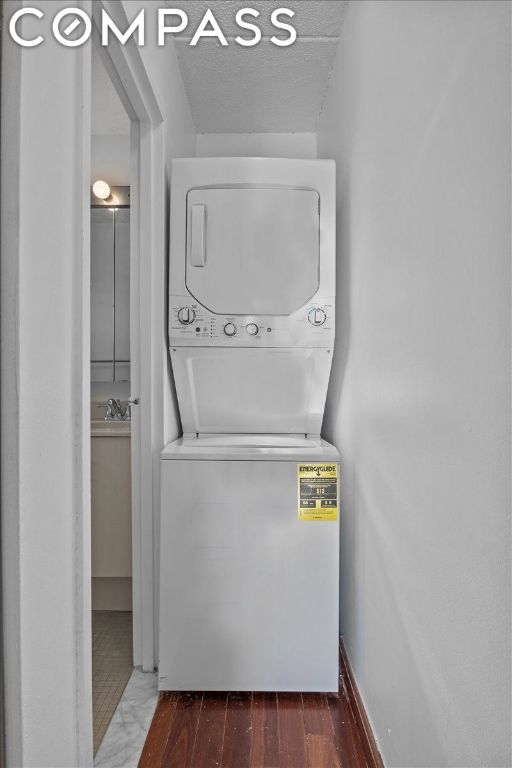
(249, 527)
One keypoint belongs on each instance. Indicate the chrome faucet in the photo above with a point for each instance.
(114, 410)
(116, 407)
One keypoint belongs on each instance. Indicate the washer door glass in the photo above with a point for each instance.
(252, 251)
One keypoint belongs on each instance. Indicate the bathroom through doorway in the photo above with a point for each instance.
(127, 304)
(111, 400)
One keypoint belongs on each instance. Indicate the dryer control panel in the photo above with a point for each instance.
(190, 324)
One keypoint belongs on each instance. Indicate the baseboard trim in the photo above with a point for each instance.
(371, 751)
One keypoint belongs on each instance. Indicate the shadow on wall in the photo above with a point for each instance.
(418, 119)
(336, 392)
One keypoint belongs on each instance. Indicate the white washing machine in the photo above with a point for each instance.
(249, 531)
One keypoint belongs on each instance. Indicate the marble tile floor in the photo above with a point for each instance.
(126, 734)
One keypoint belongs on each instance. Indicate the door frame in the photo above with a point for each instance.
(45, 394)
(45, 401)
(147, 315)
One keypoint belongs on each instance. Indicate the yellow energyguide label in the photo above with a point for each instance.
(317, 491)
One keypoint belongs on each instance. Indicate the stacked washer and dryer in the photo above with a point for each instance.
(249, 531)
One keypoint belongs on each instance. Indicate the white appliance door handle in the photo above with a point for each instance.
(198, 236)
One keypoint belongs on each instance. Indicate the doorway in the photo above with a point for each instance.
(111, 402)
(136, 362)
(46, 141)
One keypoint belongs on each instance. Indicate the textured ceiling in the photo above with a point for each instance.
(265, 88)
(107, 112)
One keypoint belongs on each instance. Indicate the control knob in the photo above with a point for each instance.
(317, 316)
(252, 329)
(230, 329)
(186, 315)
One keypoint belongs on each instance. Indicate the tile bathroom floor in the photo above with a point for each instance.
(112, 665)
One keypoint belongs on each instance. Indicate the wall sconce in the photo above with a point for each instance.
(101, 190)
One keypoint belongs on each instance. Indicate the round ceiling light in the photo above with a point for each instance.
(101, 190)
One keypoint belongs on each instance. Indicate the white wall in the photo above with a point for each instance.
(110, 159)
(110, 127)
(418, 118)
(301, 145)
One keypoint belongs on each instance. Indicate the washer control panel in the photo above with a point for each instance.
(190, 324)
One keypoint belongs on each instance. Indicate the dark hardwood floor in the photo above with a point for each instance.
(261, 730)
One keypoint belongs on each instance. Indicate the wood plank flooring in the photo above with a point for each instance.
(257, 730)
